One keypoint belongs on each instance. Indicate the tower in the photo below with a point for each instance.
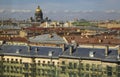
(38, 14)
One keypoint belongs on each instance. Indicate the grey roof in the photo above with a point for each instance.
(47, 38)
(99, 53)
(30, 50)
(82, 53)
(9, 27)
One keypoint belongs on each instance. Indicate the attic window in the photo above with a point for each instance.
(50, 53)
(18, 51)
(91, 54)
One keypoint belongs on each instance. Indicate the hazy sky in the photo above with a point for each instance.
(61, 9)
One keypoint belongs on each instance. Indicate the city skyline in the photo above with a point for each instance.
(61, 10)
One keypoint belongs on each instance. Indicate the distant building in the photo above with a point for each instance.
(38, 14)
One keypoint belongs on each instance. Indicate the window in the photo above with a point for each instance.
(48, 62)
(58, 63)
(3, 59)
(11, 59)
(75, 65)
(87, 75)
(43, 63)
(16, 60)
(63, 69)
(63, 62)
(82, 66)
(70, 74)
(99, 67)
(87, 67)
(8, 60)
(39, 61)
(53, 63)
(70, 65)
(94, 67)
(26, 65)
(20, 60)
(109, 70)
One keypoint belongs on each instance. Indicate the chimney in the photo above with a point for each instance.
(29, 48)
(71, 50)
(118, 49)
(106, 50)
(118, 57)
(36, 50)
(63, 47)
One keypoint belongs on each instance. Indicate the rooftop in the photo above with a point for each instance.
(77, 52)
(47, 38)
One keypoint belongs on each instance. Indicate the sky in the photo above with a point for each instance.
(61, 9)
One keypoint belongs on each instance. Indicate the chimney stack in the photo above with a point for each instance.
(71, 50)
(29, 48)
(118, 49)
(106, 50)
(63, 47)
(118, 57)
(36, 50)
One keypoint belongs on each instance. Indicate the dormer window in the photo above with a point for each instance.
(18, 51)
(50, 53)
(91, 54)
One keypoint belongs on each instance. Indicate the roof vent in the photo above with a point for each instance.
(91, 54)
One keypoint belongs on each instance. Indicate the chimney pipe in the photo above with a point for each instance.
(71, 50)
(106, 50)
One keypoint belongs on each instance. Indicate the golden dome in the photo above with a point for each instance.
(38, 9)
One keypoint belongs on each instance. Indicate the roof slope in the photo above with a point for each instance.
(47, 38)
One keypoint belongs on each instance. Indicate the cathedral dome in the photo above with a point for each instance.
(38, 9)
(38, 14)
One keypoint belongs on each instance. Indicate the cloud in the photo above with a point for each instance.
(87, 11)
(2, 10)
(66, 11)
(112, 11)
(20, 11)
